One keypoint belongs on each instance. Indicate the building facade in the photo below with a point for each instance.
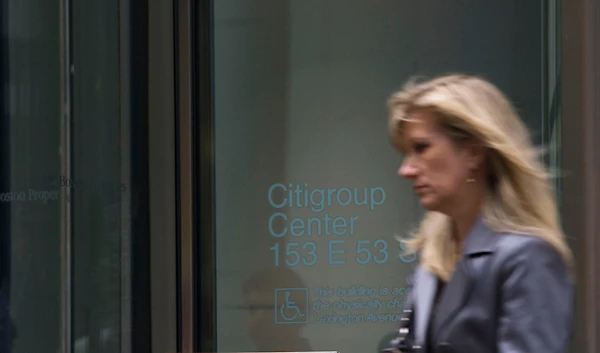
(183, 176)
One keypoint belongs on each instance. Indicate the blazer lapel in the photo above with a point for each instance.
(480, 242)
(454, 296)
(425, 287)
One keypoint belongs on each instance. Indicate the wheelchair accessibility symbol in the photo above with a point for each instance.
(291, 306)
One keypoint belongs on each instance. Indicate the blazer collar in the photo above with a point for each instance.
(481, 239)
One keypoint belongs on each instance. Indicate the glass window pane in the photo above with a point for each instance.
(67, 202)
(99, 183)
(308, 202)
(30, 228)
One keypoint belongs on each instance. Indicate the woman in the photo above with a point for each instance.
(495, 270)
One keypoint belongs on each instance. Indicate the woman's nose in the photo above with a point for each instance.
(407, 170)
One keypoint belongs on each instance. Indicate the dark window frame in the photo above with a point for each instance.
(203, 115)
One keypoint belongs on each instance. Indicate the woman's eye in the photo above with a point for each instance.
(420, 147)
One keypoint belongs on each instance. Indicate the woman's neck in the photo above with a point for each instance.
(462, 227)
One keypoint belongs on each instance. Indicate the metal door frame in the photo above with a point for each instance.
(581, 160)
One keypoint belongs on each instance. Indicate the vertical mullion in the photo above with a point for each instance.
(125, 166)
(205, 163)
(66, 156)
(204, 148)
(185, 169)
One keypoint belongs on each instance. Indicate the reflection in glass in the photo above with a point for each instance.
(300, 91)
(30, 246)
(35, 142)
(260, 292)
(99, 183)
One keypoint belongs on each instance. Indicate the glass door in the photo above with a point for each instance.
(298, 248)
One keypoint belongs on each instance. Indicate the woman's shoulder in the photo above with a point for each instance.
(513, 243)
(522, 245)
(516, 251)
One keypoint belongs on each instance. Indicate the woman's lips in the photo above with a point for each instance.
(419, 189)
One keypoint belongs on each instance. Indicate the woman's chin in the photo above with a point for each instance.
(429, 203)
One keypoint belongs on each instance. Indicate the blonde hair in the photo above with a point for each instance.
(520, 198)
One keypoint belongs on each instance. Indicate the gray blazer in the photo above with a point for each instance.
(510, 293)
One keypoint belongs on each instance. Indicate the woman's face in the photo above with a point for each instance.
(437, 166)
